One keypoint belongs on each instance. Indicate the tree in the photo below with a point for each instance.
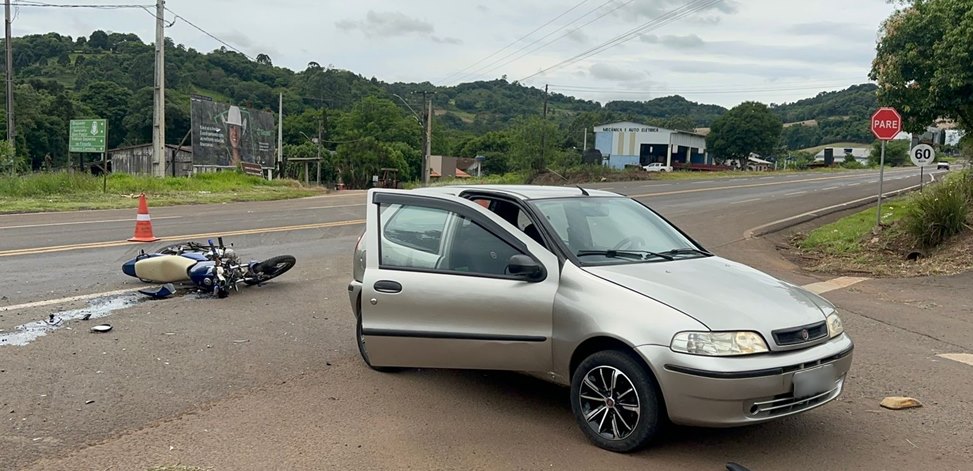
(896, 153)
(264, 59)
(110, 101)
(99, 40)
(922, 62)
(748, 127)
(532, 142)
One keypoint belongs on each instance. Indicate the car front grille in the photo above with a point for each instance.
(787, 404)
(799, 335)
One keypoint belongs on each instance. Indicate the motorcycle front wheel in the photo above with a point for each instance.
(272, 268)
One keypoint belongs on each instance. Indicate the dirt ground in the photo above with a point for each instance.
(883, 257)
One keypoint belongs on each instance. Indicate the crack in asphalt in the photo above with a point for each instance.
(906, 329)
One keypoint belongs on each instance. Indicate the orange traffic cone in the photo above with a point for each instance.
(143, 223)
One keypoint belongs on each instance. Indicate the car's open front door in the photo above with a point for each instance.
(438, 290)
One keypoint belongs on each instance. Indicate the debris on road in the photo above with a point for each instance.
(900, 402)
(161, 292)
(101, 328)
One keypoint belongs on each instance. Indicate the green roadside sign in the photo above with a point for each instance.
(87, 135)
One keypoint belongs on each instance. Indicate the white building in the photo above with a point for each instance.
(628, 143)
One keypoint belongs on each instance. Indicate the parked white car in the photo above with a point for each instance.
(657, 167)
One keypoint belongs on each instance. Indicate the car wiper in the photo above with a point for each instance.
(688, 251)
(633, 254)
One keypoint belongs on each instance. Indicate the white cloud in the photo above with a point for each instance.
(386, 24)
(603, 71)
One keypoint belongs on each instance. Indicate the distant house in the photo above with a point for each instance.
(860, 154)
(137, 160)
(442, 166)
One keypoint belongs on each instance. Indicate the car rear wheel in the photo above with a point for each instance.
(614, 401)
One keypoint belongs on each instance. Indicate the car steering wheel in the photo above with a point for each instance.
(629, 242)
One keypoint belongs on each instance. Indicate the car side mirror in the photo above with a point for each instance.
(526, 268)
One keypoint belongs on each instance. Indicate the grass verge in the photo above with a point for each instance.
(63, 191)
(929, 233)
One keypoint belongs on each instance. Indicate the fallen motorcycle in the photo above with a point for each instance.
(210, 268)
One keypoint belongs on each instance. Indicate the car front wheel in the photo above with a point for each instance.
(614, 401)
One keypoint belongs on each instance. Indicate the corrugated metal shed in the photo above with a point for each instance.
(137, 160)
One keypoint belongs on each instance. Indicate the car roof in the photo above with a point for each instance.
(523, 192)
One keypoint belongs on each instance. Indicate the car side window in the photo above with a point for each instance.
(428, 239)
(412, 236)
(475, 250)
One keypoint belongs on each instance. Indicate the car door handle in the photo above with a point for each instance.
(388, 286)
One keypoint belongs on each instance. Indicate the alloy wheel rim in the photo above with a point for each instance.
(609, 402)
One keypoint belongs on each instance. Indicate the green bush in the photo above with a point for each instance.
(938, 213)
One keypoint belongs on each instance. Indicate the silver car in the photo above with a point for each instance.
(595, 291)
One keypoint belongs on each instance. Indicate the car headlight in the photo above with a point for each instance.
(835, 327)
(718, 343)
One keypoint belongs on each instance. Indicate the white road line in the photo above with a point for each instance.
(83, 222)
(795, 193)
(66, 300)
(746, 201)
(831, 188)
(335, 206)
(822, 287)
(965, 358)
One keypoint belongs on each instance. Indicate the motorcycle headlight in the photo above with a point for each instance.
(835, 327)
(718, 343)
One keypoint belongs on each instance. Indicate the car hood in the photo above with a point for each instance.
(722, 294)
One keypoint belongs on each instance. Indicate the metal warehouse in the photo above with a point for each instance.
(629, 143)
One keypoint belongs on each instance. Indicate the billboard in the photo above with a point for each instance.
(227, 135)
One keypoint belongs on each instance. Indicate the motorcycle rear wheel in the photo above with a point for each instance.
(272, 268)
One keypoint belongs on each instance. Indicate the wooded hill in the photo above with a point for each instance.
(109, 75)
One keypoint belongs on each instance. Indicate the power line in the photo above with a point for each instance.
(515, 41)
(211, 35)
(103, 6)
(500, 62)
(666, 18)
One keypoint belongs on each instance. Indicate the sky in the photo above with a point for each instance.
(709, 51)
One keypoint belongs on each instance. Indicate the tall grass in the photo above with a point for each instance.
(72, 183)
(940, 212)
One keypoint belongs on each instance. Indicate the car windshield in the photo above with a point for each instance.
(614, 230)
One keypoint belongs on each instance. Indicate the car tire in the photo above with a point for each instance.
(610, 416)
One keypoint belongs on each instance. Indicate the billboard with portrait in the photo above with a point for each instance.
(227, 135)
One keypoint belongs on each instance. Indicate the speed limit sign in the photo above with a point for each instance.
(923, 155)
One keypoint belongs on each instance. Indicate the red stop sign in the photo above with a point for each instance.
(886, 123)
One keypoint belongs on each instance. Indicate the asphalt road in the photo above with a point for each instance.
(269, 378)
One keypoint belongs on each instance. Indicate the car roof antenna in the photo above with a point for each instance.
(583, 191)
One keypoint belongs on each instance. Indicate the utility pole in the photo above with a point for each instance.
(159, 98)
(426, 158)
(543, 161)
(280, 137)
(319, 151)
(11, 130)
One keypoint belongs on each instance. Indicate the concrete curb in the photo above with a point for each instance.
(792, 221)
